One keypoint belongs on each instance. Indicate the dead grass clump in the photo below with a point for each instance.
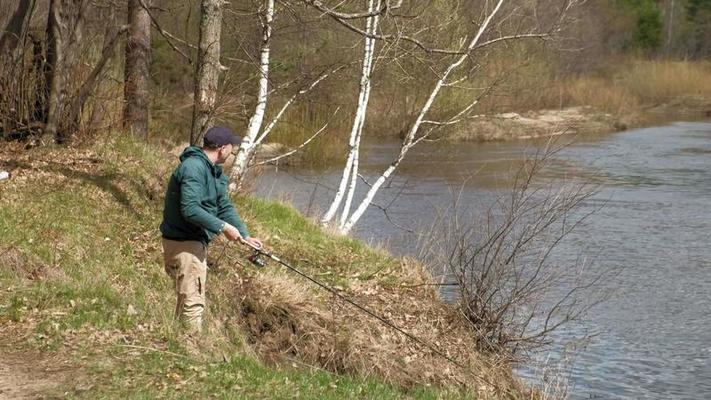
(26, 266)
(602, 94)
(284, 320)
(661, 81)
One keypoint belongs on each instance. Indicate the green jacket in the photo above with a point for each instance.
(196, 202)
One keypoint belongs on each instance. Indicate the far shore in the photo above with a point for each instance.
(539, 124)
(575, 120)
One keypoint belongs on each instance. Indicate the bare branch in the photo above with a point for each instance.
(385, 7)
(291, 101)
(168, 36)
(543, 36)
(287, 154)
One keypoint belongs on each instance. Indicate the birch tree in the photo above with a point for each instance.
(208, 68)
(447, 78)
(257, 132)
(255, 122)
(350, 171)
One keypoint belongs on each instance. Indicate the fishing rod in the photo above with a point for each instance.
(257, 260)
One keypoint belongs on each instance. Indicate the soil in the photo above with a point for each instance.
(543, 123)
(29, 374)
(539, 123)
(25, 375)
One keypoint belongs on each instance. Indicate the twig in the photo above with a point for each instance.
(133, 346)
(168, 35)
(287, 154)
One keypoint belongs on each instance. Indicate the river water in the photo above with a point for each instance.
(651, 339)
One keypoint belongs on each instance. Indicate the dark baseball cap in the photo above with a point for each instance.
(219, 136)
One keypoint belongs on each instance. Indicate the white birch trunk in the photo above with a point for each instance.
(249, 141)
(409, 140)
(351, 187)
(350, 170)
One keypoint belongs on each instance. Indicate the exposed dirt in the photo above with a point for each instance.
(540, 123)
(31, 375)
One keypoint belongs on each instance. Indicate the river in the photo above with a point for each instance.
(652, 337)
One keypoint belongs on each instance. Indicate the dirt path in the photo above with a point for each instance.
(27, 375)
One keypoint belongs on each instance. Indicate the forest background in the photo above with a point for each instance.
(615, 55)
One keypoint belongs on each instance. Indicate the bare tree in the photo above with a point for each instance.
(255, 122)
(511, 290)
(16, 71)
(136, 69)
(11, 36)
(65, 47)
(54, 69)
(257, 130)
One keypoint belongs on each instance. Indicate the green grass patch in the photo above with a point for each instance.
(156, 374)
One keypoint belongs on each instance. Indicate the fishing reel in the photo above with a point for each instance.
(258, 258)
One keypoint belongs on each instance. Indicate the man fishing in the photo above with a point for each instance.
(197, 209)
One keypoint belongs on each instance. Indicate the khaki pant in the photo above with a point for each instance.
(186, 263)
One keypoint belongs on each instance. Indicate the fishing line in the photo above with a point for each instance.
(261, 263)
(357, 306)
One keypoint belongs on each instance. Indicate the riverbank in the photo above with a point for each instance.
(85, 303)
(577, 120)
(626, 93)
(535, 124)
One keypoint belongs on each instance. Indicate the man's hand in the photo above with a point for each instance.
(253, 242)
(231, 232)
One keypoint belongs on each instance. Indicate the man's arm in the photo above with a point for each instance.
(226, 212)
(235, 229)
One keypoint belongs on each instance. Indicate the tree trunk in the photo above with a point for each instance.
(409, 140)
(11, 35)
(79, 99)
(53, 70)
(136, 70)
(208, 68)
(98, 102)
(350, 171)
(255, 123)
(39, 62)
(239, 169)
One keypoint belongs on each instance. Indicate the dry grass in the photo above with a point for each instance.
(626, 86)
(601, 94)
(634, 84)
(284, 320)
(26, 266)
(661, 81)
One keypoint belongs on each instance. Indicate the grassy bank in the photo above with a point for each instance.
(633, 86)
(86, 308)
(626, 93)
